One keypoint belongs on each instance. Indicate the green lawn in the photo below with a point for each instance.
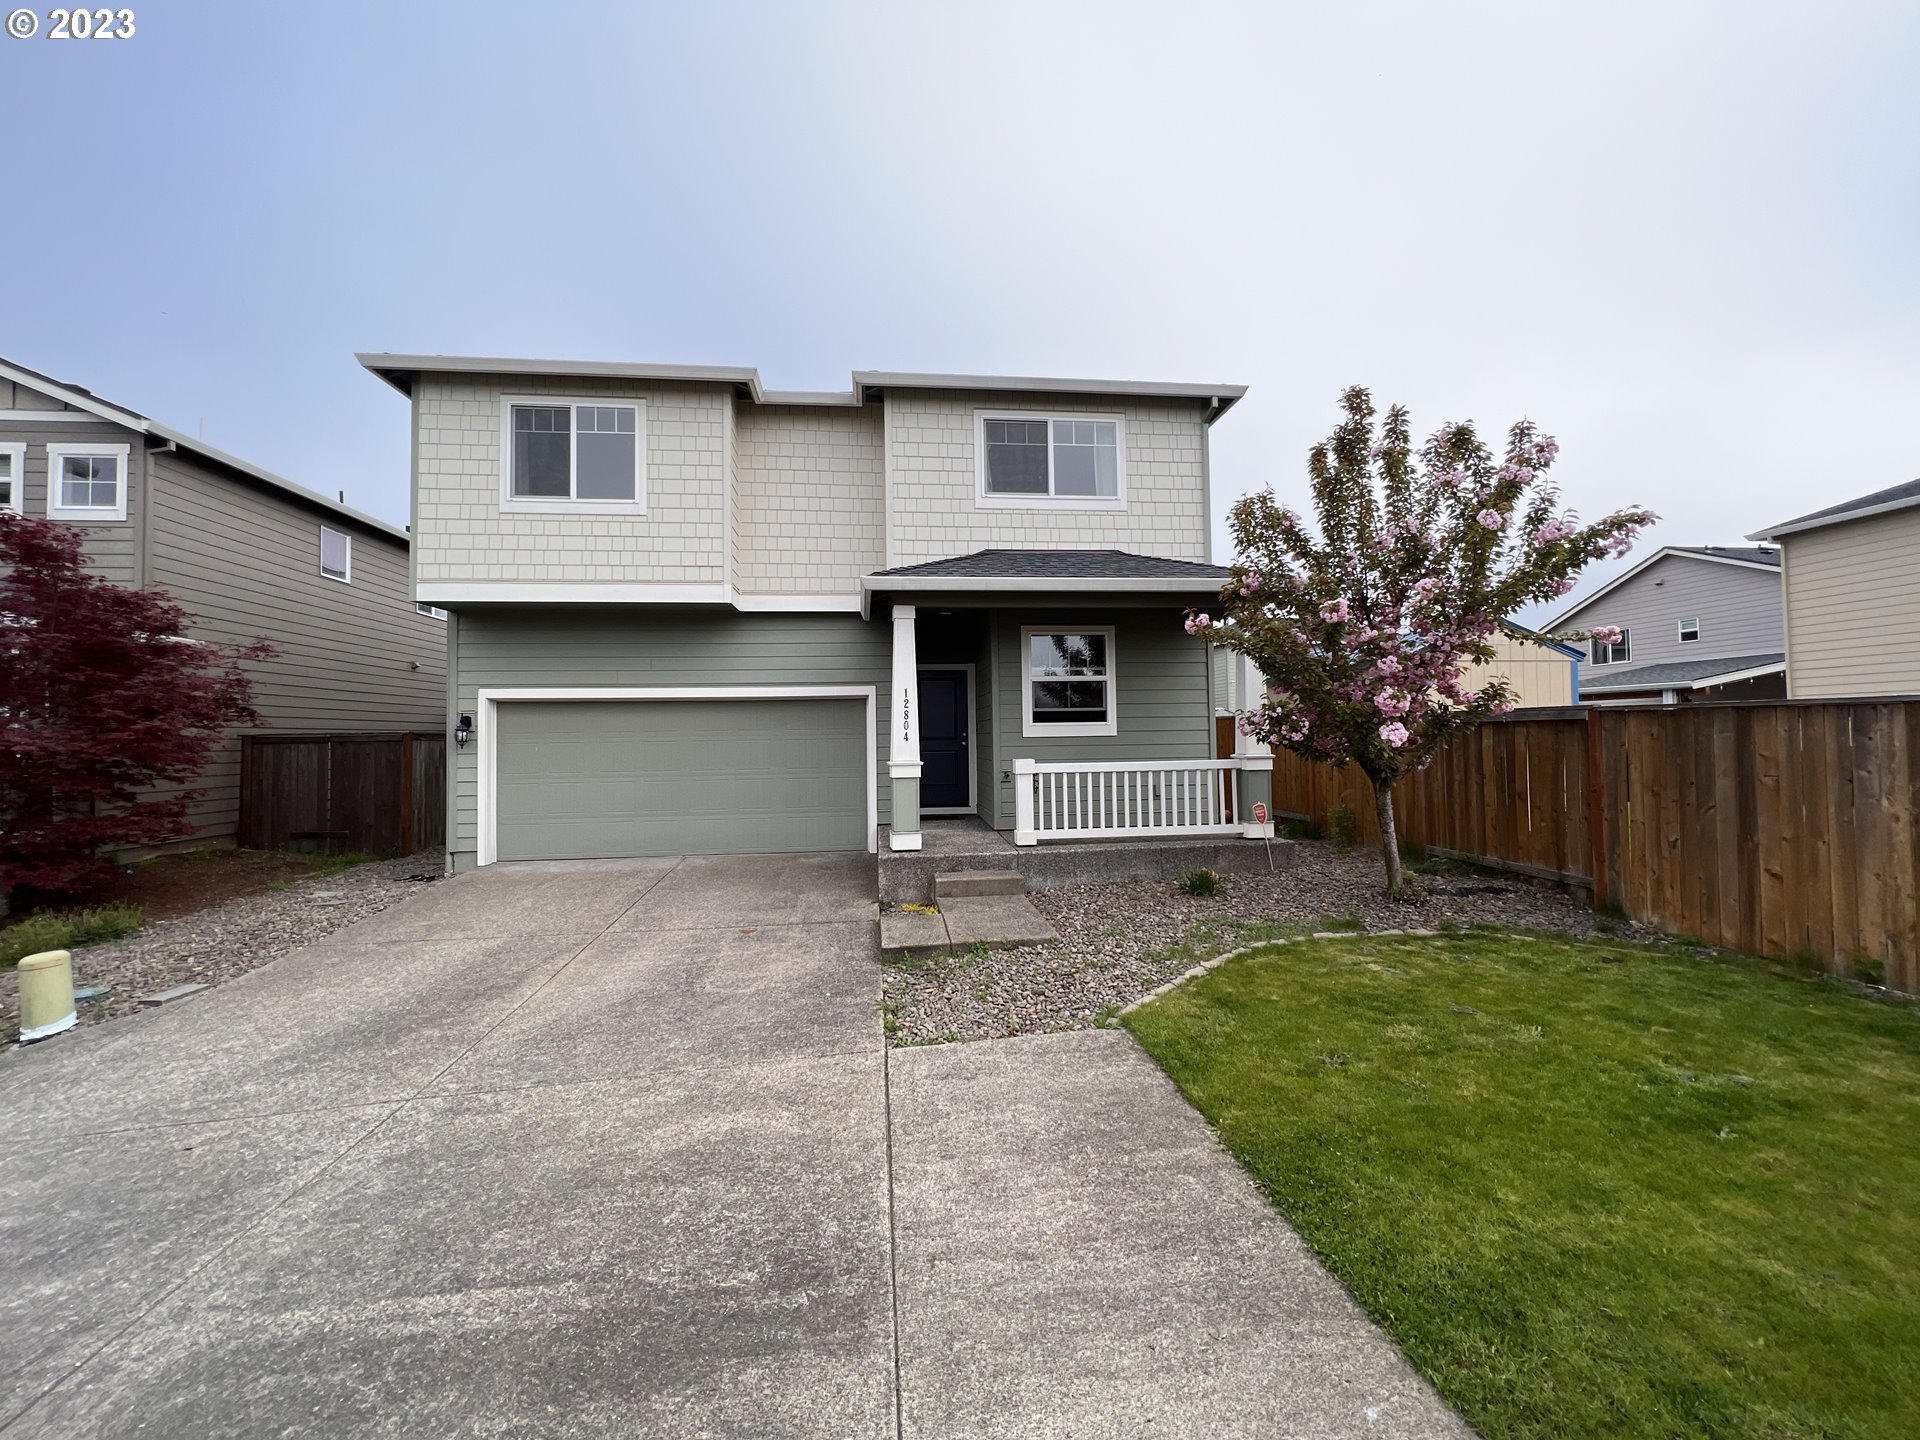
(1591, 1189)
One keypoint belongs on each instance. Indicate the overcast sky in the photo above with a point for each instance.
(1680, 237)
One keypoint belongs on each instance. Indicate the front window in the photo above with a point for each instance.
(565, 454)
(1043, 459)
(336, 555)
(87, 482)
(13, 464)
(1689, 631)
(1069, 682)
(1616, 654)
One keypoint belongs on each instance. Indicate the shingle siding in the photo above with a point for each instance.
(1739, 609)
(808, 499)
(463, 535)
(1853, 603)
(933, 494)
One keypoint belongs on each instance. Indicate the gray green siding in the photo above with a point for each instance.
(581, 646)
(113, 547)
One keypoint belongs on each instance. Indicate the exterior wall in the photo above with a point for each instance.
(461, 534)
(1739, 609)
(246, 564)
(646, 646)
(1162, 703)
(809, 497)
(1539, 675)
(1853, 608)
(932, 481)
(113, 547)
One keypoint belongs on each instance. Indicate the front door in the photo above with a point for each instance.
(946, 762)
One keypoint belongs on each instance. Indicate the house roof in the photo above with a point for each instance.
(1541, 638)
(81, 398)
(1681, 674)
(1066, 564)
(1880, 502)
(1758, 557)
(399, 371)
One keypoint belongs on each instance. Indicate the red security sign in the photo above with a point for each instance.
(1259, 813)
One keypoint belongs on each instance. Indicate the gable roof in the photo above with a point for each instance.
(82, 399)
(1541, 638)
(1681, 674)
(399, 371)
(1752, 558)
(1880, 502)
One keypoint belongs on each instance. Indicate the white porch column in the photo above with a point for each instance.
(903, 748)
(1254, 757)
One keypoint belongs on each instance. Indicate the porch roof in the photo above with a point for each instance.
(1031, 570)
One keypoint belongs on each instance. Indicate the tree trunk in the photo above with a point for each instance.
(1389, 837)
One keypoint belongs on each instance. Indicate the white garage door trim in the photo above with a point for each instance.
(490, 701)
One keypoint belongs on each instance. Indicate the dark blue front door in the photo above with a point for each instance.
(945, 760)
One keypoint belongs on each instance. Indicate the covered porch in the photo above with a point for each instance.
(1053, 696)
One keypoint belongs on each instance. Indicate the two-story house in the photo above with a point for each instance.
(1852, 575)
(248, 554)
(692, 615)
(1699, 623)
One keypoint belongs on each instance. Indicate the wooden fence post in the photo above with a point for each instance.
(1597, 807)
(407, 846)
(247, 806)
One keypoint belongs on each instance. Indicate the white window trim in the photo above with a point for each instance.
(346, 535)
(983, 500)
(511, 504)
(1028, 728)
(1626, 643)
(489, 701)
(1680, 629)
(58, 452)
(17, 449)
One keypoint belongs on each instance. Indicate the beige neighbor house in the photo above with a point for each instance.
(1698, 622)
(1852, 576)
(248, 554)
(690, 614)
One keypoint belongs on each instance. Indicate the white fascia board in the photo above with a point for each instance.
(1221, 397)
(796, 604)
(388, 367)
(1040, 585)
(538, 592)
(1707, 682)
(1797, 527)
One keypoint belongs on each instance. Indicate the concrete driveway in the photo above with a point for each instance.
(615, 1149)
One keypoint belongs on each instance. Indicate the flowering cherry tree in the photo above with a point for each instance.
(1365, 629)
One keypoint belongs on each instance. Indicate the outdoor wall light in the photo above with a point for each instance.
(463, 732)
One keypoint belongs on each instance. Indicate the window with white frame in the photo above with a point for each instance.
(1617, 653)
(336, 555)
(1070, 682)
(1689, 631)
(576, 456)
(1064, 460)
(13, 475)
(432, 612)
(87, 481)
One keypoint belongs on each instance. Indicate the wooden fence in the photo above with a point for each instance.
(382, 794)
(1789, 829)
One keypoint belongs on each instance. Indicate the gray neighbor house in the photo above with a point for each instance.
(689, 614)
(1702, 622)
(248, 554)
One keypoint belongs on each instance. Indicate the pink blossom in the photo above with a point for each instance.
(1334, 611)
(1544, 449)
(1504, 707)
(1389, 665)
(1513, 471)
(1492, 519)
(1562, 586)
(1608, 634)
(1454, 479)
(1249, 582)
(1553, 530)
(1287, 520)
(1197, 623)
(1392, 702)
(1395, 734)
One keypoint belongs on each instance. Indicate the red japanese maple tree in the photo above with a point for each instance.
(103, 702)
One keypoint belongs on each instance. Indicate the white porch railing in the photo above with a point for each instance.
(1125, 800)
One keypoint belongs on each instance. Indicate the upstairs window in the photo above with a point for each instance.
(336, 555)
(1617, 654)
(578, 455)
(13, 467)
(1689, 631)
(1047, 460)
(87, 481)
(1069, 682)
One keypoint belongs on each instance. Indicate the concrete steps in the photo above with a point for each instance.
(960, 884)
(997, 921)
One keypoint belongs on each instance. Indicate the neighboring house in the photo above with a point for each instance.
(1852, 575)
(1701, 623)
(690, 614)
(246, 553)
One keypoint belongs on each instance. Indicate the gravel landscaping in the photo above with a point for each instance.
(1117, 942)
(232, 937)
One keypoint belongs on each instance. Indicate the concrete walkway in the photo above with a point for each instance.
(615, 1149)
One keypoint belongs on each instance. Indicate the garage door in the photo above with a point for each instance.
(592, 779)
